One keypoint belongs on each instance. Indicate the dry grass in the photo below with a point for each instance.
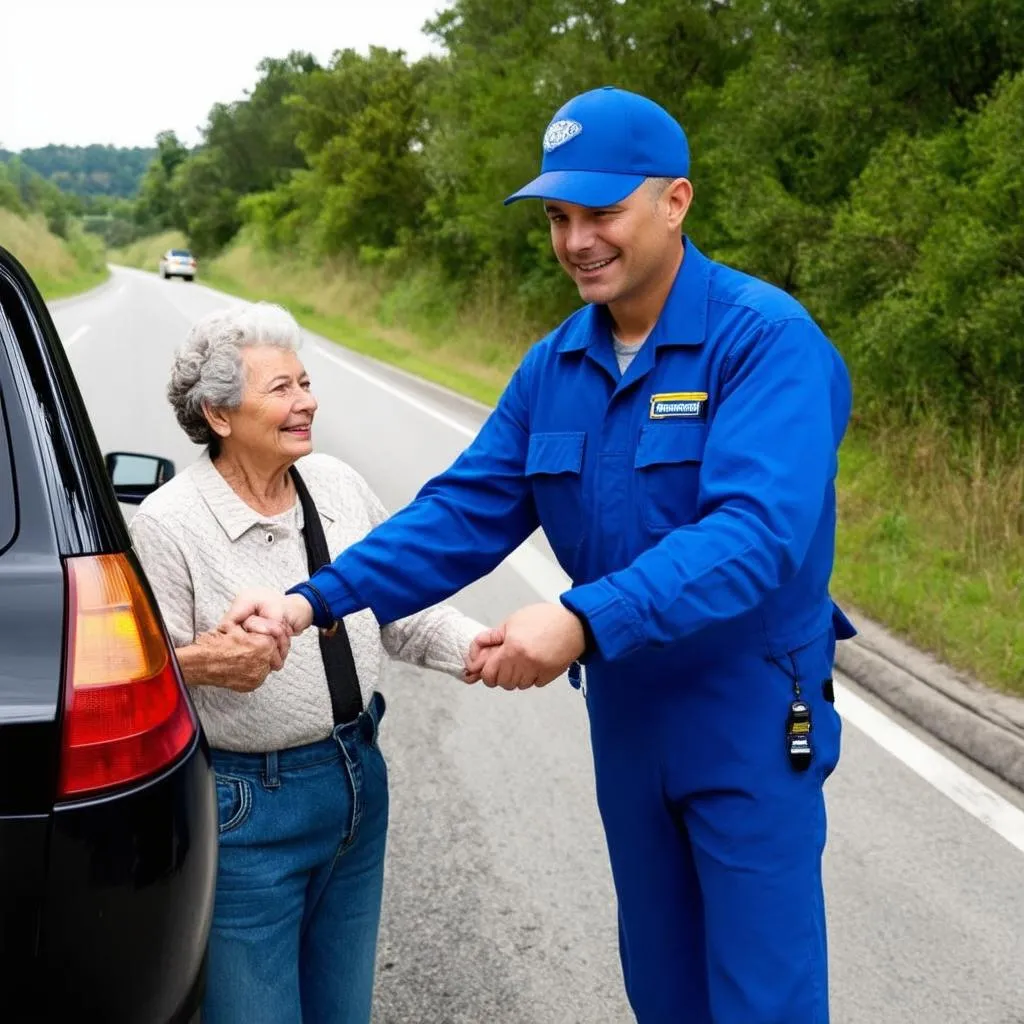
(357, 311)
(931, 542)
(58, 267)
(43, 254)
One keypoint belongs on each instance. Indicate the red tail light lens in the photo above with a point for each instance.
(126, 715)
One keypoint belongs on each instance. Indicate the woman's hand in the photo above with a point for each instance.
(230, 657)
(476, 657)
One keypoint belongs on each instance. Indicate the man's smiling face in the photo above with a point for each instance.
(612, 252)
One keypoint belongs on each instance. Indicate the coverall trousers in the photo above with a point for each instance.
(715, 840)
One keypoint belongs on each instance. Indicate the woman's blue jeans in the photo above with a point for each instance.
(297, 910)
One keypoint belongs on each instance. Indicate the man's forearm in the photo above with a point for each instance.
(461, 525)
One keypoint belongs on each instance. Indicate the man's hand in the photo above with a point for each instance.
(266, 611)
(538, 643)
(232, 658)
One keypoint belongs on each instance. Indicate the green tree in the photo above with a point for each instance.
(10, 197)
(779, 145)
(158, 207)
(248, 147)
(923, 273)
(360, 127)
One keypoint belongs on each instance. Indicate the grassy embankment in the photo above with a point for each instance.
(931, 538)
(59, 267)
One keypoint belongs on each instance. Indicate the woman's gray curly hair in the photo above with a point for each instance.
(208, 368)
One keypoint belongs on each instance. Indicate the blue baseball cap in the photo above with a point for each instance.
(602, 144)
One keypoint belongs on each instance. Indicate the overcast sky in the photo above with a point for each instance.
(119, 71)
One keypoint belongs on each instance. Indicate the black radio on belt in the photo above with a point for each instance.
(798, 735)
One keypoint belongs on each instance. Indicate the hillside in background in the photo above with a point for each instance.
(88, 170)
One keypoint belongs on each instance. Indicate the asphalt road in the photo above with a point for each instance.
(499, 906)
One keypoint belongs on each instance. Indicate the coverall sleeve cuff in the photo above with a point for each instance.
(322, 616)
(616, 628)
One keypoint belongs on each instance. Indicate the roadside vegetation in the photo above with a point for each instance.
(38, 225)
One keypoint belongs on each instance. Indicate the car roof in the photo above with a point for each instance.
(90, 520)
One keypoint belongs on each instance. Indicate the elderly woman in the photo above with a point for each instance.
(301, 782)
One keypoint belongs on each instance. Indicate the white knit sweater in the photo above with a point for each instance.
(200, 544)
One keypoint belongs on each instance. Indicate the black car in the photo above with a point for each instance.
(108, 809)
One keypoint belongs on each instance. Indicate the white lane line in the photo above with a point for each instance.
(948, 778)
(967, 792)
(78, 334)
(390, 389)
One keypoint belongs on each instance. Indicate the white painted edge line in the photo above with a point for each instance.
(415, 403)
(349, 357)
(967, 792)
(78, 334)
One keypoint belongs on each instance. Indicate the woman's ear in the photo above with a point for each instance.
(219, 423)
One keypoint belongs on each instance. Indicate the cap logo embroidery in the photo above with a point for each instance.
(559, 133)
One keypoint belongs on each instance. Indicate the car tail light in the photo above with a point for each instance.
(126, 714)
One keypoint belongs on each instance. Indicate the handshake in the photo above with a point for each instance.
(531, 647)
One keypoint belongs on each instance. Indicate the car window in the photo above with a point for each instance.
(8, 509)
(180, 252)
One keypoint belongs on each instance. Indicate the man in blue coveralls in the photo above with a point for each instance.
(676, 439)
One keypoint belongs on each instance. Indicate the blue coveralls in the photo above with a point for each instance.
(692, 503)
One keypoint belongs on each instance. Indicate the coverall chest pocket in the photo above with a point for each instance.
(667, 464)
(554, 464)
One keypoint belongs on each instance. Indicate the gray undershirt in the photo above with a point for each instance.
(624, 354)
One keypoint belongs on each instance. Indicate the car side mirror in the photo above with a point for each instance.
(135, 475)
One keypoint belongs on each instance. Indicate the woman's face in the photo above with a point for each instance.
(275, 418)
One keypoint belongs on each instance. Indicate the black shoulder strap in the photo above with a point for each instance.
(342, 678)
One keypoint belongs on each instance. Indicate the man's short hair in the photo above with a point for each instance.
(657, 186)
